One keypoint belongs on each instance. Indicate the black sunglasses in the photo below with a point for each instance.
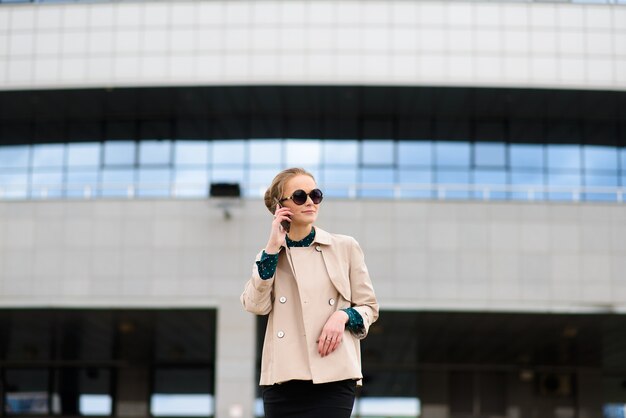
(299, 196)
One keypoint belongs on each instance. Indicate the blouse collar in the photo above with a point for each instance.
(304, 242)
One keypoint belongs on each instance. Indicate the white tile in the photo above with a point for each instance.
(459, 14)
(571, 17)
(48, 43)
(375, 12)
(461, 67)
(544, 68)
(376, 66)
(48, 263)
(155, 40)
(516, 41)
(487, 67)
(236, 67)
(209, 39)
(156, 14)
(127, 41)
(4, 19)
(565, 268)
(619, 17)
(620, 43)
(595, 268)
(101, 42)
(126, 67)
(183, 14)
(129, 15)
(543, 41)
(103, 15)
(22, 18)
(294, 12)
(99, 68)
(73, 69)
(182, 40)
(208, 67)
(320, 12)
(238, 13)
(20, 71)
(348, 39)
(404, 40)
(515, 15)
(49, 17)
(432, 14)
(348, 13)
(76, 16)
(460, 40)
(488, 41)
(182, 66)
(542, 15)
(598, 16)
(294, 39)
(572, 70)
(236, 38)
(376, 39)
(488, 14)
(265, 39)
(571, 42)
(349, 65)
(210, 13)
(505, 237)
(74, 43)
(265, 66)
(404, 67)
(431, 40)
(21, 44)
(321, 66)
(600, 71)
(403, 13)
(598, 43)
(266, 13)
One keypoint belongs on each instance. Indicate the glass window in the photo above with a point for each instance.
(119, 153)
(564, 156)
(303, 152)
(14, 185)
(452, 154)
(377, 182)
(600, 158)
(266, 152)
(416, 183)
(191, 183)
(564, 185)
(48, 155)
(489, 154)
(155, 152)
(526, 156)
(341, 152)
(415, 153)
(259, 180)
(339, 182)
(26, 392)
(229, 152)
(191, 152)
(154, 182)
(491, 184)
(15, 156)
(80, 391)
(378, 152)
(182, 392)
(527, 185)
(47, 184)
(117, 182)
(82, 183)
(228, 175)
(609, 181)
(453, 184)
(83, 155)
(623, 160)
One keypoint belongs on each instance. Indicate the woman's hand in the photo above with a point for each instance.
(278, 233)
(332, 333)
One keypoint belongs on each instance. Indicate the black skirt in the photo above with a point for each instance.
(303, 399)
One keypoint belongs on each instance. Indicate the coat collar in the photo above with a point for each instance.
(322, 237)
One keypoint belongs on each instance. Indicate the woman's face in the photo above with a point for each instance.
(306, 213)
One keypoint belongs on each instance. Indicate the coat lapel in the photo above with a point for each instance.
(329, 254)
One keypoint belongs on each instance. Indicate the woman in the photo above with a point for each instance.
(316, 289)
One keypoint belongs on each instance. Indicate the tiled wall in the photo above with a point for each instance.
(313, 42)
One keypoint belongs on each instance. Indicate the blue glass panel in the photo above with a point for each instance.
(303, 152)
(228, 175)
(600, 158)
(48, 156)
(377, 182)
(527, 185)
(229, 152)
(117, 182)
(191, 183)
(623, 160)
(567, 185)
(526, 156)
(15, 156)
(339, 182)
(416, 183)
(564, 156)
(259, 180)
(48, 184)
(83, 155)
(453, 184)
(14, 185)
(452, 154)
(155, 152)
(82, 183)
(601, 180)
(415, 153)
(489, 154)
(266, 152)
(154, 182)
(119, 153)
(191, 153)
(491, 184)
(341, 152)
(379, 152)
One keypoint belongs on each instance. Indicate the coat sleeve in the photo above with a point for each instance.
(258, 293)
(361, 289)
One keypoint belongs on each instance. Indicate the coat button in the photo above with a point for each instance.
(280, 334)
(318, 249)
(331, 301)
(282, 299)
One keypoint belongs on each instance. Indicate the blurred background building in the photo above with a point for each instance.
(475, 149)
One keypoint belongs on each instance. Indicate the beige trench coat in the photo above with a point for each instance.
(290, 346)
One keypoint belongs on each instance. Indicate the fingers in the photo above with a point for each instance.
(328, 343)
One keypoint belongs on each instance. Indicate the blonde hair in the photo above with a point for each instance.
(277, 187)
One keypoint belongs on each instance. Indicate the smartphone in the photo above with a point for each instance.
(284, 224)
